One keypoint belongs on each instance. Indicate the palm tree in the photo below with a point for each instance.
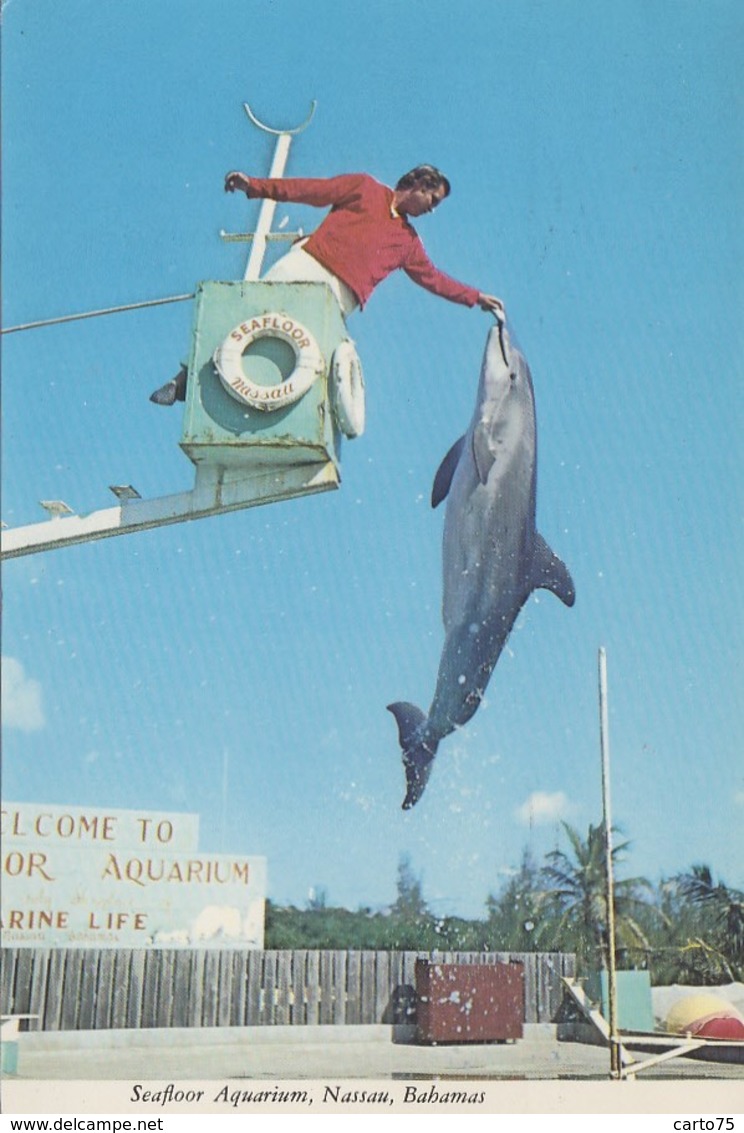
(721, 918)
(575, 890)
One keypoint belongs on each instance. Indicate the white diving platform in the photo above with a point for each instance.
(216, 490)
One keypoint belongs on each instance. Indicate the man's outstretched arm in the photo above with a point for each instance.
(422, 271)
(318, 191)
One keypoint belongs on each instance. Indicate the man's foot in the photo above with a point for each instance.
(172, 391)
(166, 395)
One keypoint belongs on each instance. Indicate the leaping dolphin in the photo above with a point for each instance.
(493, 556)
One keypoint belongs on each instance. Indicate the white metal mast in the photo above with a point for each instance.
(615, 1048)
(266, 214)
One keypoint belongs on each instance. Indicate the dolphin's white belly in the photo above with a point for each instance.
(489, 541)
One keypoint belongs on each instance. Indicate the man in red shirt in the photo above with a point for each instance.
(366, 236)
(367, 233)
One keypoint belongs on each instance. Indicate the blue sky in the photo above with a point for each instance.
(596, 159)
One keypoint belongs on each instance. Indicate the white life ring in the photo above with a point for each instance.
(309, 363)
(347, 389)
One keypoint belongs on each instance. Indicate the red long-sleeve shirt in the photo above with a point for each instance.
(361, 241)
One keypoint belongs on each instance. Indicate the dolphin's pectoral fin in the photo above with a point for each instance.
(418, 757)
(445, 472)
(550, 573)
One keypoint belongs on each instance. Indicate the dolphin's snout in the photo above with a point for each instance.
(498, 348)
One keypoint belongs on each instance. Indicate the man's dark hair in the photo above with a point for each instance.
(424, 177)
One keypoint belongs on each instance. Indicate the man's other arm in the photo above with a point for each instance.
(423, 272)
(318, 191)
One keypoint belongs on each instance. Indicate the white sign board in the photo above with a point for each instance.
(26, 823)
(74, 877)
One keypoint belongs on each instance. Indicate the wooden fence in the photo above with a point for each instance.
(91, 989)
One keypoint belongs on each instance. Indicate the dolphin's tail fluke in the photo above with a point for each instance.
(417, 755)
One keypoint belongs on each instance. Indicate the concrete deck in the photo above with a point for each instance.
(296, 1053)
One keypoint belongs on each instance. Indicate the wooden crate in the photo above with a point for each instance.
(460, 1003)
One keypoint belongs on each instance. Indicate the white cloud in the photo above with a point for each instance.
(540, 808)
(739, 798)
(21, 696)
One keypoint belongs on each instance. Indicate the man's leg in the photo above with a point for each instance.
(298, 266)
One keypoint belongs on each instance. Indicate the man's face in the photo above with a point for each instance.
(419, 200)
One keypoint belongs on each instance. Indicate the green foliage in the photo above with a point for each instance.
(409, 925)
(575, 899)
(516, 917)
(723, 909)
(700, 938)
(409, 904)
(690, 929)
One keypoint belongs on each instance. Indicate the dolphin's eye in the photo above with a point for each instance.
(512, 376)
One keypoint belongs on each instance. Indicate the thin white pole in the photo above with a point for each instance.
(278, 165)
(266, 213)
(615, 1053)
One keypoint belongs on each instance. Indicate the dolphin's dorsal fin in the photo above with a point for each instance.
(550, 573)
(445, 472)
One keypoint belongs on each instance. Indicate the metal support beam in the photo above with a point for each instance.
(628, 1073)
(595, 1017)
(216, 491)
